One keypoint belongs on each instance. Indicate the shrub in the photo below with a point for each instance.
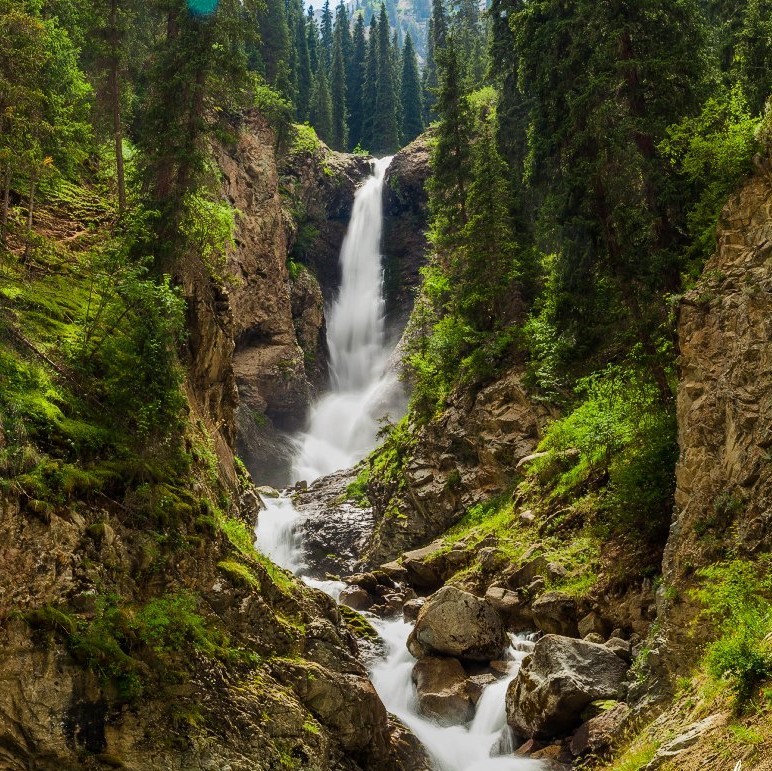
(736, 595)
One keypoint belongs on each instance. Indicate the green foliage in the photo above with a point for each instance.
(621, 437)
(357, 490)
(713, 152)
(737, 596)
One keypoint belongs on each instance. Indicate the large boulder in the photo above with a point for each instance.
(557, 681)
(444, 692)
(456, 623)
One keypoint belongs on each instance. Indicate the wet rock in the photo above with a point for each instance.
(456, 623)
(265, 491)
(555, 613)
(557, 681)
(366, 580)
(598, 734)
(395, 571)
(444, 693)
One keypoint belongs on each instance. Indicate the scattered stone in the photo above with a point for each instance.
(395, 571)
(622, 648)
(557, 681)
(267, 492)
(555, 571)
(594, 637)
(528, 570)
(444, 694)
(618, 633)
(356, 598)
(411, 608)
(598, 734)
(513, 610)
(527, 517)
(555, 613)
(456, 623)
(500, 667)
(592, 622)
(528, 459)
(537, 586)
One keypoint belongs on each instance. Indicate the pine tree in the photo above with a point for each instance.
(438, 32)
(370, 86)
(312, 29)
(753, 54)
(339, 137)
(396, 75)
(321, 106)
(355, 82)
(275, 45)
(304, 72)
(451, 163)
(412, 109)
(326, 35)
(385, 129)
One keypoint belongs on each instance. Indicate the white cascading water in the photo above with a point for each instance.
(343, 429)
(345, 422)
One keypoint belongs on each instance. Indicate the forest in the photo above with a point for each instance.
(590, 246)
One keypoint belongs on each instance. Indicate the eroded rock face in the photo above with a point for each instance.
(557, 681)
(467, 455)
(276, 319)
(444, 693)
(405, 223)
(723, 477)
(455, 623)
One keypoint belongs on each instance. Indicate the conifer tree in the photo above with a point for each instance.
(321, 106)
(355, 82)
(339, 137)
(385, 129)
(275, 44)
(753, 54)
(370, 86)
(438, 31)
(451, 163)
(396, 74)
(412, 109)
(304, 72)
(326, 35)
(312, 29)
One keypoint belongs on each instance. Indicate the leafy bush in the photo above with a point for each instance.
(621, 437)
(712, 152)
(737, 598)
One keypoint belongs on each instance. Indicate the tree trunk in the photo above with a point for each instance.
(115, 96)
(30, 214)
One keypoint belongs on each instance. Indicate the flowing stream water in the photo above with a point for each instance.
(343, 428)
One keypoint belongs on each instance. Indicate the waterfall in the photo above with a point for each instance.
(343, 428)
(344, 423)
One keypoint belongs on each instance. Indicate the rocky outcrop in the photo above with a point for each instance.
(467, 455)
(557, 681)
(455, 623)
(723, 477)
(405, 223)
(276, 317)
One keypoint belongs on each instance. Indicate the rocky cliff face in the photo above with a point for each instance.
(404, 229)
(277, 316)
(465, 456)
(724, 474)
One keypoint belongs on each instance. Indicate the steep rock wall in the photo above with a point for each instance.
(466, 455)
(406, 216)
(724, 474)
(277, 317)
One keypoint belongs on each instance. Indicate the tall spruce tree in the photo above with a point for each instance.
(753, 54)
(305, 80)
(412, 109)
(326, 35)
(339, 137)
(438, 32)
(385, 128)
(321, 105)
(355, 83)
(370, 86)
(603, 83)
(451, 160)
(275, 45)
(312, 29)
